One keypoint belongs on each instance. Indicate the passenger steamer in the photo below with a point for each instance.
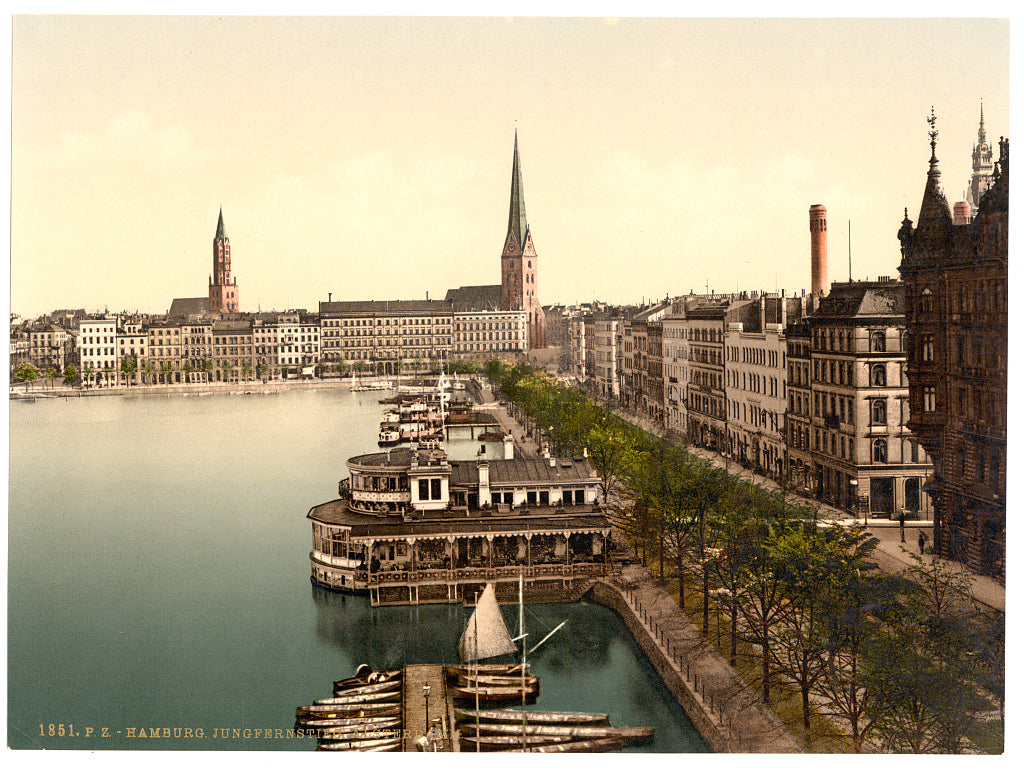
(413, 526)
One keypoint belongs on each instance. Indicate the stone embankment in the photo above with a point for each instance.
(724, 709)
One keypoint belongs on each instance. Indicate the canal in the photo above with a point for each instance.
(158, 582)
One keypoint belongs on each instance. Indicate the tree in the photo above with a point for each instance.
(150, 369)
(107, 371)
(70, 374)
(610, 451)
(167, 371)
(27, 373)
(262, 369)
(52, 373)
(207, 368)
(186, 369)
(247, 371)
(921, 667)
(811, 568)
(87, 374)
(227, 367)
(129, 366)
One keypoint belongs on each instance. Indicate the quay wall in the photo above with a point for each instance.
(722, 708)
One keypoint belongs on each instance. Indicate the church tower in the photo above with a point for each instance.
(982, 167)
(223, 288)
(519, 261)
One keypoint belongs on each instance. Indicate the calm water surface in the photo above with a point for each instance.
(159, 578)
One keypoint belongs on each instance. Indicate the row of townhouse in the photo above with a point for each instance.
(811, 391)
(189, 347)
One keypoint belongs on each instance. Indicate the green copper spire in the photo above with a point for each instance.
(221, 235)
(517, 205)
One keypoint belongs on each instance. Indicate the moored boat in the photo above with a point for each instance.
(351, 710)
(566, 732)
(516, 716)
(373, 697)
(370, 744)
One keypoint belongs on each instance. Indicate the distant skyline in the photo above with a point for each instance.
(371, 157)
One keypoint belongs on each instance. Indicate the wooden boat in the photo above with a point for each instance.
(373, 697)
(368, 689)
(567, 732)
(349, 710)
(505, 742)
(374, 744)
(594, 745)
(487, 680)
(530, 717)
(496, 694)
(489, 669)
(372, 729)
(373, 677)
(347, 721)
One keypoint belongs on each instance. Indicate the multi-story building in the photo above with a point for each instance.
(607, 332)
(131, 350)
(197, 350)
(798, 413)
(50, 346)
(165, 352)
(957, 298)
(706, 388)
(97, 350)
(864, 456)
(233, 354)
(481, 329)
(298, 341)
(676, 368)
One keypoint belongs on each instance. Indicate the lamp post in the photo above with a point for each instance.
(853, 501)
(426, 708)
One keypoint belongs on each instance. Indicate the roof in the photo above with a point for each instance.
(534, 520)
(863, 300)
(523, 471)
(468, 299)
(221, 233)
(192, 306)
(388, 306)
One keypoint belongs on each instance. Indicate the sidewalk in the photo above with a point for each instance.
(893, 556)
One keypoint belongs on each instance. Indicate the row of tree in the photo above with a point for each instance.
(901, 660)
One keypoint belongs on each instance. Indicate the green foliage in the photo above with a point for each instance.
(70, 374)
(27, 373)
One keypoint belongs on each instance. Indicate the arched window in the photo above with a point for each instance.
(878, 375)
(927, 347)
(878, 342)
(879, 450)
(878, 412)
(926, 301)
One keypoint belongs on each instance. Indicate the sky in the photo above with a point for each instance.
(370, 158)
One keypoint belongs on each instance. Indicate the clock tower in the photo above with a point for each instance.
(519, 261)
(223, 288)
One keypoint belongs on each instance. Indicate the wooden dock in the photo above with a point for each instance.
(420, 707)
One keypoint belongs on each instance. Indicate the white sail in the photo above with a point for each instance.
(486, 634)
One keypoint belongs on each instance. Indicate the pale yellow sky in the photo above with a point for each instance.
(371, 157)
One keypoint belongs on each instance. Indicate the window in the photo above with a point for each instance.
(926, 301)
(878, 342)
(879, 450)
(435, 489)
(927, 347)
(424, 489)
(928, 392)
(878, 412)
(878, 375)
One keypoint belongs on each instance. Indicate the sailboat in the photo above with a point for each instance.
(487, 636)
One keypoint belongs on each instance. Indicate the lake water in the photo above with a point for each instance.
(159, 581)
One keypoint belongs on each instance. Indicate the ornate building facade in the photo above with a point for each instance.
(957, 294)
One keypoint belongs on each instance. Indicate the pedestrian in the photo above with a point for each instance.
(903, 520)
(920, 542)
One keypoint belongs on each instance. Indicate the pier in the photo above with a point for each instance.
(425, 698)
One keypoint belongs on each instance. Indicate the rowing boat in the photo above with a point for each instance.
(375, 697)
(348, 710)
(568, 732)
(375, 744)
(530, 717)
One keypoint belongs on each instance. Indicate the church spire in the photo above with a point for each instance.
(517, 225)
(221, 235)
(935, 217)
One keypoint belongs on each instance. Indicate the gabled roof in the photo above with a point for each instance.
(468, 299)
(192, 306)
(863, 300)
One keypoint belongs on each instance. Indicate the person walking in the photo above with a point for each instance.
(920, 542)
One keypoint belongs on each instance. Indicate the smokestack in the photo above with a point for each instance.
(819, 249)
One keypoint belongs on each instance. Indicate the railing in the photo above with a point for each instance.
(483, 574)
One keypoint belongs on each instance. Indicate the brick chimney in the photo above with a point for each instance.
(819, 249)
